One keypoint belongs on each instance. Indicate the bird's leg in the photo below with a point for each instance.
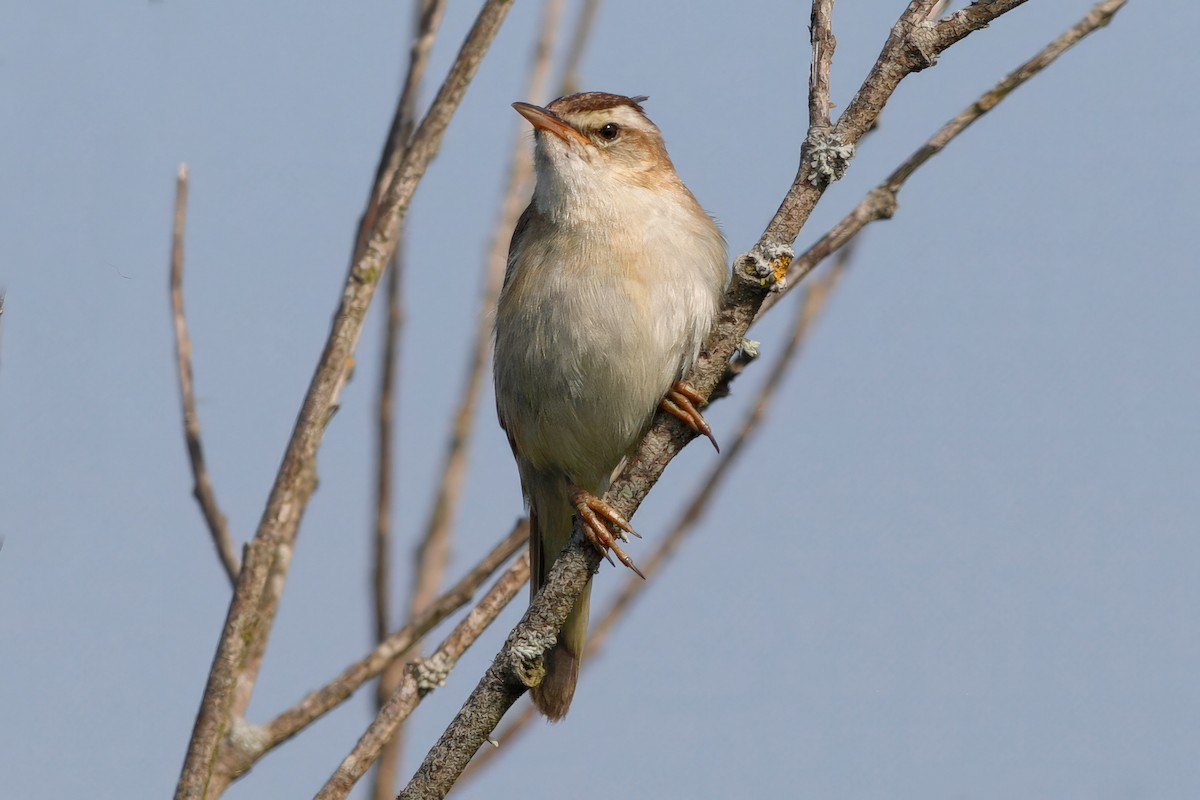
(596, 515)
(681, 402)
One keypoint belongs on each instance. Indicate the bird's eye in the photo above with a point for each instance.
(610, 131)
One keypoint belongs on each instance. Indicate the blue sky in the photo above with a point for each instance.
(961, 561)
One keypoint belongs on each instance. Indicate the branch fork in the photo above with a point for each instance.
(921, 43)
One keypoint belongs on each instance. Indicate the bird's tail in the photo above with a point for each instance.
(550, 516)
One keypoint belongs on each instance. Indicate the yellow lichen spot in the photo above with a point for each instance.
(780, 265)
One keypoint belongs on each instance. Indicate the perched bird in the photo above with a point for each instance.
(614, 278)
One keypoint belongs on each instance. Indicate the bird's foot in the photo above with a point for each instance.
(596, 515)
(682, 402)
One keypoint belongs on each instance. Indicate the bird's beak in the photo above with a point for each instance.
(545, 120)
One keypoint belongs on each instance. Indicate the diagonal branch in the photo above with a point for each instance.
(319, 702)
(815, 298)
(517, 665)
(881, 202)
(423, 677)
(268, 555)
(429, 20)
(255, 741)
(218, 527)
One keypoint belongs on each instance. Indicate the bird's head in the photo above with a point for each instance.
(594, 144)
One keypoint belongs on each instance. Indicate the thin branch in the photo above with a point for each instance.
(820, 30)
(881, 202)
(385, 776)
(256, 599)
(914, 44)
(218, 527)
(423, 677)
(317, 703)
(384, 457)
(517, 666)
(428, 19)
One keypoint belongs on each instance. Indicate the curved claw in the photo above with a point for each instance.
(681, 402)
(596, 515)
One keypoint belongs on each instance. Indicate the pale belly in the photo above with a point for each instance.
(583, 364)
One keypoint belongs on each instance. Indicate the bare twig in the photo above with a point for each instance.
(384, 458)
(256, 599)
(428, 18)
(881, 202)
(820, 30)
(218, 527)
(913, 45)
(423, 677)
(257, 740)
(329, 696)
(385, 775)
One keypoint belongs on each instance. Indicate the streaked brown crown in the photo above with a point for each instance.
(594, 101)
